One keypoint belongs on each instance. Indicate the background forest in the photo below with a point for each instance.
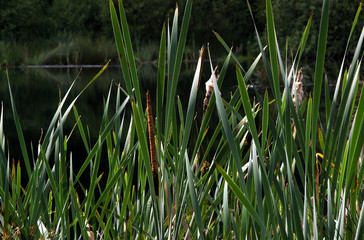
(40, 32)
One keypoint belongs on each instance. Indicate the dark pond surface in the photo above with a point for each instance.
(37, 93)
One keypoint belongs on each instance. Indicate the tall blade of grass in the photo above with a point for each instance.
(105, 112)
(209, 111)
(360, 228)
(327, 100)
(265, 60)
(305, 213)
(307, 138)
(172, 47)
(227, 130)
(102, 136)
(225, 208)
(161, 86)
(180, 210)
(303, 41)
(330, 217)
(338, 82)
(52, 132)
(130, 55)
(334, 131)
(81, 129)
(126, 195)
(77, 210)
(194, 200)
(181, 120)
(119, 42)
(19, 131)
(273, 54)
(95, 77)
(346, 116)
(356, 145)
(2, 152)
(243, 199)
(177, 66)
(146, 162)
(224, 44)
(257, 181)
(294, 202)
(7, 198)
(319, 68)
(253, 130)
(192, 103)
(93, 179)
(54, 185)
(314, 218)
(265, 120)
(2, 135)
(339, 227)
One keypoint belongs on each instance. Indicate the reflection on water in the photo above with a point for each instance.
(37, 93)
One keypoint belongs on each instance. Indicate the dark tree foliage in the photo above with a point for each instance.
(20, 20)
(291, 18)
(31, 20)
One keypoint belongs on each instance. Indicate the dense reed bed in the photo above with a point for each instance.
(273, 167)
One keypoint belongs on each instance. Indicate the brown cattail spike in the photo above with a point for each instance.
(152, 148)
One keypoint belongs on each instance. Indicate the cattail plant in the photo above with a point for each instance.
(209, 90)
(153, 151)
(297, 90)
(297, 96)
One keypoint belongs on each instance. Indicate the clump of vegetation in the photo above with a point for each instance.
(272, 167)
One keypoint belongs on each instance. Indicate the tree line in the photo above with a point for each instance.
(32, 20)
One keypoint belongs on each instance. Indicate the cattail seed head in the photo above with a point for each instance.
(297, 90)
(152, 147)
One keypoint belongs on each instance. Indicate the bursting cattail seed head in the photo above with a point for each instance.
(297, 89)
(209, 90)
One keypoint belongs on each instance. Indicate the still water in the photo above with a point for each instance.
(38, 91)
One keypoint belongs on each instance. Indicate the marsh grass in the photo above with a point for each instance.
(247, 176)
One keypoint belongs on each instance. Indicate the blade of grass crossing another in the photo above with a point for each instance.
(273, 54)
(121, 50)
(19, 131)
(319, 68)
(161, 85)
(360, 228)
(144, 152)
(130, 56)
(252, 127)
(194, 200)
(304, 39)
(265, 120)
(227, 130)
(243, 199)
(192, 102)
(177, 64)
